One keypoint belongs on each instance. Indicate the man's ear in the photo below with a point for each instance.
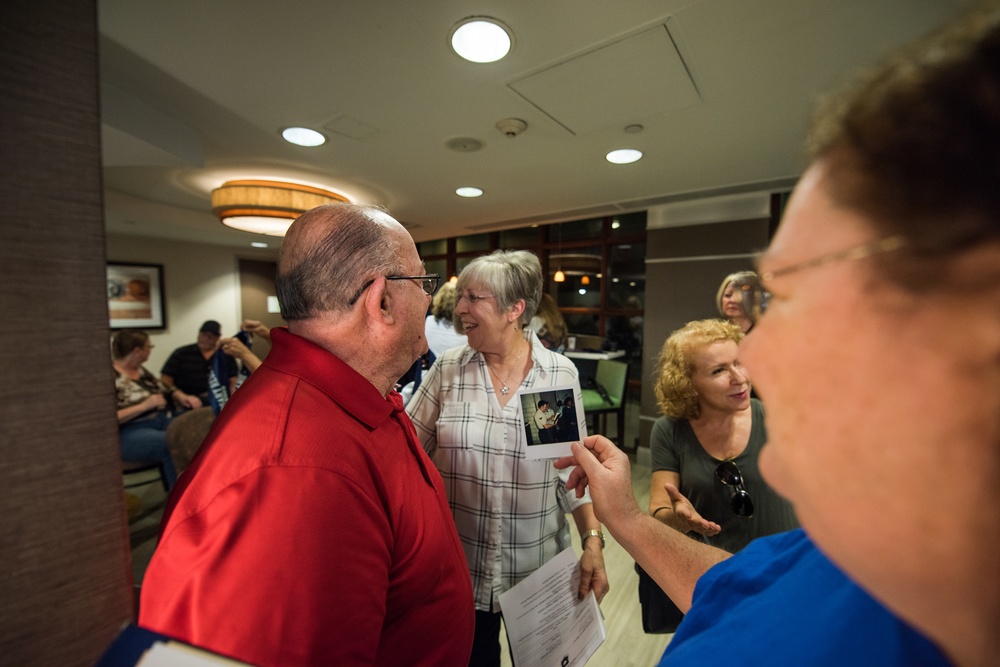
(378, 303)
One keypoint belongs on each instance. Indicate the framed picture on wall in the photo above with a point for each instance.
(135, 296)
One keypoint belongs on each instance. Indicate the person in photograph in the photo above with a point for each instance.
(567, 427)
(510, 511)
(545, 419)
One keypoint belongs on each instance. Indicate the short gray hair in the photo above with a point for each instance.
(511, 275)
(737, 278)
(328, 254)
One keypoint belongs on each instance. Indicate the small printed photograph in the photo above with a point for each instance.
(553, 419)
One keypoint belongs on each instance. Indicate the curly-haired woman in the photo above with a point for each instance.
(704, 449)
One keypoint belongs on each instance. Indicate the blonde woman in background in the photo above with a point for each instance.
(731, 300)
(438, 327)
(549, 325)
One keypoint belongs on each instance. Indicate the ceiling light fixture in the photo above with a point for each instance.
(258, 244)
(624, 156)
(303, 136)
(481, 39)
(267, 207)
(469, 192)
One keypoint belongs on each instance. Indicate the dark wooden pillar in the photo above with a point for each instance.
(65, 585)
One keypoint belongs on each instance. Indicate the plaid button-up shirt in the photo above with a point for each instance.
(510, 512)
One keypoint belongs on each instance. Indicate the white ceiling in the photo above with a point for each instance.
(195, 93)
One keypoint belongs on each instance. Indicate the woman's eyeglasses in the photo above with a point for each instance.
(428, 283)
(740, 504)
(756, 298)
(472, 298)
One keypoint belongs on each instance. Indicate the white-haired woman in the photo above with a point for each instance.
(510, 512)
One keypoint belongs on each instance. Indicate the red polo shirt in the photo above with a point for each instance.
(311, 529)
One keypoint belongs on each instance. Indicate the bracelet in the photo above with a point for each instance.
(657, 510)
(594, 532)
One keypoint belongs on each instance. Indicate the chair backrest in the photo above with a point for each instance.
(613, 376)
(186, 433)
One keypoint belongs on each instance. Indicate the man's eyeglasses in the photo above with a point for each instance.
(740, 504)
(756, 298)
(428, 283)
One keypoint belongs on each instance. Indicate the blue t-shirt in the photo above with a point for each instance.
(782, 602)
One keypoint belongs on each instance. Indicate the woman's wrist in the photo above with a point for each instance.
(665, 515)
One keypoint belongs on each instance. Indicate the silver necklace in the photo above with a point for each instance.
(504, 389)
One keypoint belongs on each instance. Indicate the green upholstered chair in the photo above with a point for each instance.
(607, 396)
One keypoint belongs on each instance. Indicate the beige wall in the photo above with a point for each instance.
(201, 282)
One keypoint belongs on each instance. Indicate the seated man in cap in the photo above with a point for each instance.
(188, 367)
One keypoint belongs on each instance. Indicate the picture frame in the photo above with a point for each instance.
(569, 424)
(135, 296)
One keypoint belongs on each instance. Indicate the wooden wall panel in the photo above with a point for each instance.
(65, 585)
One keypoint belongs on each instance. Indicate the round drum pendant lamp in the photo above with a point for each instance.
(267, 207)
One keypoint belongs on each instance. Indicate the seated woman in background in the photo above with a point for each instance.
(731, 300)
(704, 450)
(142, 404)
(549, 325)
(438, 327)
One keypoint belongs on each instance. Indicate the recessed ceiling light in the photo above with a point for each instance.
(469, 192)
(624, 156)
(303, 136)
(258, 244)
(481, 39)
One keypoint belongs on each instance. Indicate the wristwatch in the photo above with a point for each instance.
(594, 532)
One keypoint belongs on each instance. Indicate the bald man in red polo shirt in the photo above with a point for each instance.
(311, 528)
